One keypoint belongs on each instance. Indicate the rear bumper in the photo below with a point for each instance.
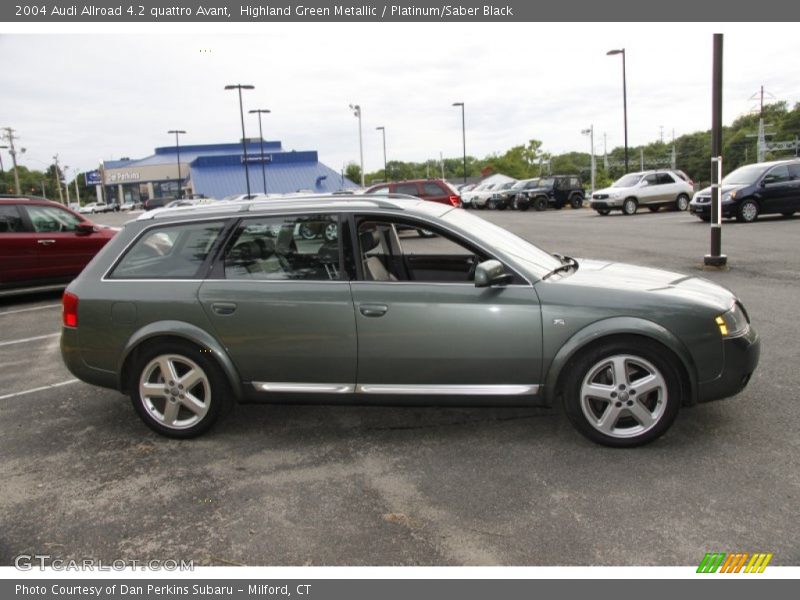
(71, 355)
(741, 356)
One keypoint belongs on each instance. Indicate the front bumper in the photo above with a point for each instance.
(604, 204)
(740, 360)
(704, 210)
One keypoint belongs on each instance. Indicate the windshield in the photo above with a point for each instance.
(536, 259)
(627, 181)
(507, 186)
(743, 175)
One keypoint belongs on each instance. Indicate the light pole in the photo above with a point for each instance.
(2, 170)
(178, 132)
(259, 112)
(382, 129)
(357, 113)
(463, 137)
(240, 87)
(624, 99)
(590, 133)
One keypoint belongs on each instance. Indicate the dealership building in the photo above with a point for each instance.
(218, 170)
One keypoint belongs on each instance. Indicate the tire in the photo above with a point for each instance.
(653, 208)
(682, 203)
(540, 203)
(603, 212)
(199, 404)
(307, 232)
(630, 206)
(331, 232)
(705, 219)
(523, 204)
(602, 403)
(747, 212)
(501, 205)
(576, 201)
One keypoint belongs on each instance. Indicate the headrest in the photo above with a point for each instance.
(369, 240)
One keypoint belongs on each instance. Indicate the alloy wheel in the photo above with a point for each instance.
(175, 391)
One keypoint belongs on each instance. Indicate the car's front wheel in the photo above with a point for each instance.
(623, 393)
(540, 203)
(630, 206)
(682, 203)
(748, 212)
(177, 390)
(603, 212)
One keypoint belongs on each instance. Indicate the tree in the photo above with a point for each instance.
(353, 172)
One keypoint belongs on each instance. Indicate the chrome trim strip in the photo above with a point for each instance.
(449, 390)
(308, 388)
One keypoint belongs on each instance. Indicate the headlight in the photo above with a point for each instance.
(615, 195)
(729, 196)
(733, 323)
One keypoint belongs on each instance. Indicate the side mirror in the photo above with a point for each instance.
(491, 272)
(763, 183)
(84, 228)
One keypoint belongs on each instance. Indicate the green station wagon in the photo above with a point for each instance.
(190, 310)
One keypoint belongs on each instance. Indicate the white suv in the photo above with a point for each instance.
(652, 189)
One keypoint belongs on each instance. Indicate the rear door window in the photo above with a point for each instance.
(433, 189)
(665, 179)
(169, 252)
(407, 188)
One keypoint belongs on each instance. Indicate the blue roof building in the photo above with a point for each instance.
(218, 170)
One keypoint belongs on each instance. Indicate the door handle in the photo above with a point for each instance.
(373, 310)
(223, 308)
(46, 242)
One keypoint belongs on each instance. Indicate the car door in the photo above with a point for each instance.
(18, 260)
(282, 306)
(648, 192)
(792, 203)
(668, 188)
(62, 251)
(777, 190)
(424, 327)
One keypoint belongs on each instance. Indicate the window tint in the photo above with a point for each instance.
(665, 178)
(292, 247)
(10, 220)
(778, 174)
(433, 189)
(406, 188)
(47, 219)
(575, 183)
(794, 171)
(171, 252)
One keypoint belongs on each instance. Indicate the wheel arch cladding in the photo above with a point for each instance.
(614, 329)
(161, 331)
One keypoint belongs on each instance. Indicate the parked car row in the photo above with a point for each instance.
(541, 193)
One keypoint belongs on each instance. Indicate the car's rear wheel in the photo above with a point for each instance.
(523, 204)
(576, 201)
(177, 390)
(501, 205)
(603, 212)
(748, 212)
(623, 393)
(630, 206)
(540, 203)
(682, 203)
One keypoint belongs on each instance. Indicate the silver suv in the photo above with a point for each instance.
(652, 189)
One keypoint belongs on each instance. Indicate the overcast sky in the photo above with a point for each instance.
(88, 95)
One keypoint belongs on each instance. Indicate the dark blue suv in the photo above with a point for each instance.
(753, 190)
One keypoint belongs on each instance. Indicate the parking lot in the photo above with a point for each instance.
(306, 485)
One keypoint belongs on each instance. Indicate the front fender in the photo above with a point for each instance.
(188, 332)
(617, 326)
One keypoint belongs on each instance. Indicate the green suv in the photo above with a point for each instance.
(190, 310)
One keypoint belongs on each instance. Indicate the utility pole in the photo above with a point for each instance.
(356, 108)
(57, 176)
(2, 170)
(66, 182)
(605, 153)
(590, 133)
(674, 151)
(715, 258)
(641, 153)
(10, 137)
(661, 135)
(77, 191)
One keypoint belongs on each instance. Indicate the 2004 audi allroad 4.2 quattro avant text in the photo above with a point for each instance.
(189, 309)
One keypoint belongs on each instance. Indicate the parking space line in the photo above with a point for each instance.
(20, 310)
(30, 339)
(39, 389)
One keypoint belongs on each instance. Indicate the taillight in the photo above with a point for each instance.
(69, 311)
(455, 201)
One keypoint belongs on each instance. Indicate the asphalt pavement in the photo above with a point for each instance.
(82, 477)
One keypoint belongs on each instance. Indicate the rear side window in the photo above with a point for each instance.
(170, 252)
(433, 189)
(665, 178)
(10, 220)
(407, 188)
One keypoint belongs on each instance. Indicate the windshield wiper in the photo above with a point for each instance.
(568, 263)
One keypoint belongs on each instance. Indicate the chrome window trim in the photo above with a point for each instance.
(309, 388)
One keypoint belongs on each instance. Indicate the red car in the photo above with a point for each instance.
(435, 190)
(44, 245)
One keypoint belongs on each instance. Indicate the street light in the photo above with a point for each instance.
(240, 87)
(178, 132)
(463, 137)
(357, 113)
(383, 131)
(624, 99)
(590, 133)
(259, 112)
